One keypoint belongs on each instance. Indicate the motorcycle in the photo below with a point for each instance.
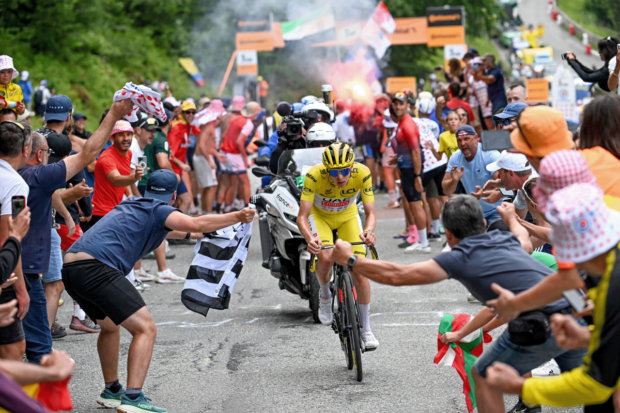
(284, 249)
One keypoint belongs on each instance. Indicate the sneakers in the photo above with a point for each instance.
(168, 277)
(140, 405)
(521, 407)
(325, 310)
(140, 286)
(58, 331)
(370, 342)
(417, 247)
(405, 244)
(392, 205)
(548, 369)
(434, 237)
(109, 399)
(144, 276)
(85, 325)
(471, 299)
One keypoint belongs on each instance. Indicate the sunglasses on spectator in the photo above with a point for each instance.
(190, 112)
(48, 151)
(335, 172)
(507, 122)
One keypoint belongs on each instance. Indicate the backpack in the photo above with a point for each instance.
(38, 96)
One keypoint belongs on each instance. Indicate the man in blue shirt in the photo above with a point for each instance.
(495, 82)
(43, 180)
(94, 276)
(469, 166)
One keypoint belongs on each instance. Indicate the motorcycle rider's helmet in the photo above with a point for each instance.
(426, 103)
(307, 99)
(297, 107)
(320, 135)
(321, 111)
(338, 155)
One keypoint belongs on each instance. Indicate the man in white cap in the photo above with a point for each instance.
(586, 234)
(514, 171)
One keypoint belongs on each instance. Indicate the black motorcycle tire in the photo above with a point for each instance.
(351, 319)
(314, 293)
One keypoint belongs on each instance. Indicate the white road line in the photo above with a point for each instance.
(253, 320)
(409, 324)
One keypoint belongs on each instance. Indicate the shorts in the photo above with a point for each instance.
(367, 151)
(190, 155)
(348, 224)
(407, 183)
(387, 156)
(434, 175)
(430, 190)
(65, 241)
(13, 333)
(101, 291)
(53, 273)
(526, 358)
(460, 189)
(205, 175)
(234, 164)
(181, 188)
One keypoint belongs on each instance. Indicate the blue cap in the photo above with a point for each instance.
(474, 52)
(79, 116)
(298, 106)
(511, 110)
(465, 130)
(161, 185)
(226, 101)
(58, 108)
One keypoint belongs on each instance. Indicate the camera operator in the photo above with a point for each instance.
(607, 50)
(292, 135)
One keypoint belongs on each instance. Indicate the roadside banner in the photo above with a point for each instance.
(312, 23)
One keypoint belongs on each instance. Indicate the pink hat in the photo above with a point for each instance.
(121, 126)
(211, 113)
(582, 225)
(216, 106)
(237, 104)
(559, 170)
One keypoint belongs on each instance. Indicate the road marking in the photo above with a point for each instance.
(277, 307)
(183, 324)
(409, 324)
(253, 320)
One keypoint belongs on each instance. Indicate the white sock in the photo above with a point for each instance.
(78, 312)
(435, 226)
(364, 316)
(131, 277)
(392, 196)
(422, 233)
(326, 292)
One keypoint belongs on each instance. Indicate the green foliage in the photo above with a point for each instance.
(606, 12)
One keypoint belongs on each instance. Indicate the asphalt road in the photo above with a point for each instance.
(265, 354)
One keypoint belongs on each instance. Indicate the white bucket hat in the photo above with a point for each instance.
(6, 62)
(582, 225)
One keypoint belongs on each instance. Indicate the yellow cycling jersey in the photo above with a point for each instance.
(11, 92)
(328, 198)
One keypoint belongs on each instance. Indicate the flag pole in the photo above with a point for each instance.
(230, 65)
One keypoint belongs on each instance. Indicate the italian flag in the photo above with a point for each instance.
(461, 355)
(313, 23)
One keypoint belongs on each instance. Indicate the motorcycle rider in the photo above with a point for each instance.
(328, 204)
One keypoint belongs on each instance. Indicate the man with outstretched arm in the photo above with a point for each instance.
(477, 260)
(93, 274)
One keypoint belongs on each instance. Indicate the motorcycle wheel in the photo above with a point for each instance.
(314, 293)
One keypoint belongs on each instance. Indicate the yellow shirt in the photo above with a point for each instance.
(11, 93)
(447, 143)
(599, 376)
(328, 198)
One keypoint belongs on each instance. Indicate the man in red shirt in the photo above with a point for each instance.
(178, 138)
(233, 147)
(455, 102)
(113, 172)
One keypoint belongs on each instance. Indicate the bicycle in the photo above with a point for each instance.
(346, 313)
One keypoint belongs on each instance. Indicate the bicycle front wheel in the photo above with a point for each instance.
(354, 338)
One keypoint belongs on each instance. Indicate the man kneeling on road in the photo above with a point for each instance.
(477, 260)
(93, 274)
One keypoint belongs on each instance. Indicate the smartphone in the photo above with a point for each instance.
(142, 163)
(18, 203)
(563, 56)
(619, 47)
(495, 140)
(575, 299)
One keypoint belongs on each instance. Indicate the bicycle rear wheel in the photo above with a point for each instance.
(352, 322)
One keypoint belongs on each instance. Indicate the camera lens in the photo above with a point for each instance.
(294, 129)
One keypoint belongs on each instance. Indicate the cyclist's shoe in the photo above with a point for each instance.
(325, 310)
(417, 247)
(109, 399)
(521, 407)
(370, 342)
(140, 405)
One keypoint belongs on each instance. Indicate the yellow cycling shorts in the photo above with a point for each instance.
(348, 224)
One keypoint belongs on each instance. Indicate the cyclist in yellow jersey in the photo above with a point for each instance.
(328, 204)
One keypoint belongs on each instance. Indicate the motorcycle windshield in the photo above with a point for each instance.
(297, 162)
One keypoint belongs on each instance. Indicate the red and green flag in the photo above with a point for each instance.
(462, 354)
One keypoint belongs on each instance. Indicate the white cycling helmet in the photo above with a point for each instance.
(320, 108)
(426, 103)
(320, 135)
(388, 122)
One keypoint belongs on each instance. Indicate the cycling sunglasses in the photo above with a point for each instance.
(334, 172)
